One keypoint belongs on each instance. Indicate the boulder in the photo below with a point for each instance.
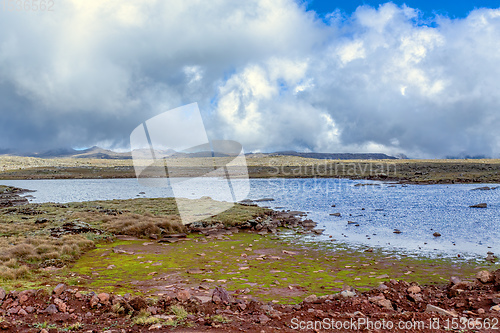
(485, 276)
(414, 290)
(59, 289)
(221, 295)
(183, 295)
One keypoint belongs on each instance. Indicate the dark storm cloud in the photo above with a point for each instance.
(265, 73)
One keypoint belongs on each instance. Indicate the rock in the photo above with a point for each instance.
(318, 231)
(415, 297)
(24, 296)
(155, 327)
(103, 298)
(138, 303)
(117, 250)
(111, 267)
(30, 309)
(222, 294)
(11, 199)
(436, 234)
(370, 250)
(72, 228)
(490, 257)
(382, 287)
(484, 188)
(383, 276)
(183, 295)
(2, 294)
(454, 280)
(41, 220)
(495, 308)
(263, 319)
(336, 214)
(59, 289)
(178, 236)
(347, 293)
(311, 299)
(414, 290)
(44, 331)
(481, 311)
(397, 231)
(481, 205)
(51, 309)
(433, 308)
(203, 299)
(485, 276)
(194, 271)
(386, 304)
(94, 301)
(308, 224)
(61, 306)
(153, 310)
(263, 200)
(14, 310)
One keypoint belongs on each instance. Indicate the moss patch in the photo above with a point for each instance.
(271, 268)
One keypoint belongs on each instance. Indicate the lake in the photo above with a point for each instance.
(416, 210)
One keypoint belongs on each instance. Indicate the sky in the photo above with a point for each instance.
(418, 78)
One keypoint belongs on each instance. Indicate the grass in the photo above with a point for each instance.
(73, 327)
(44, 325)
(179, 312)
(144, 318)
(27, 244)
(220, 319)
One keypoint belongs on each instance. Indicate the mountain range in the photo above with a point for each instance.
(100, 153)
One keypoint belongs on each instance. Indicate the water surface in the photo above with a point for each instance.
(416, 210)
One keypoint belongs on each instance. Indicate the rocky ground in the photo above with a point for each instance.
(11, 196)
(460, 306)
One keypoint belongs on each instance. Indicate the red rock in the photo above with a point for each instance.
(103, 298)
(94, 301)
(485, 276)
(61, 306)
(414, 290)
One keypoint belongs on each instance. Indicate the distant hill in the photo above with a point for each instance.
(332, 156)
(100, 153)
(94, 152)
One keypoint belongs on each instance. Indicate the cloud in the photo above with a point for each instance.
(268, 74)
